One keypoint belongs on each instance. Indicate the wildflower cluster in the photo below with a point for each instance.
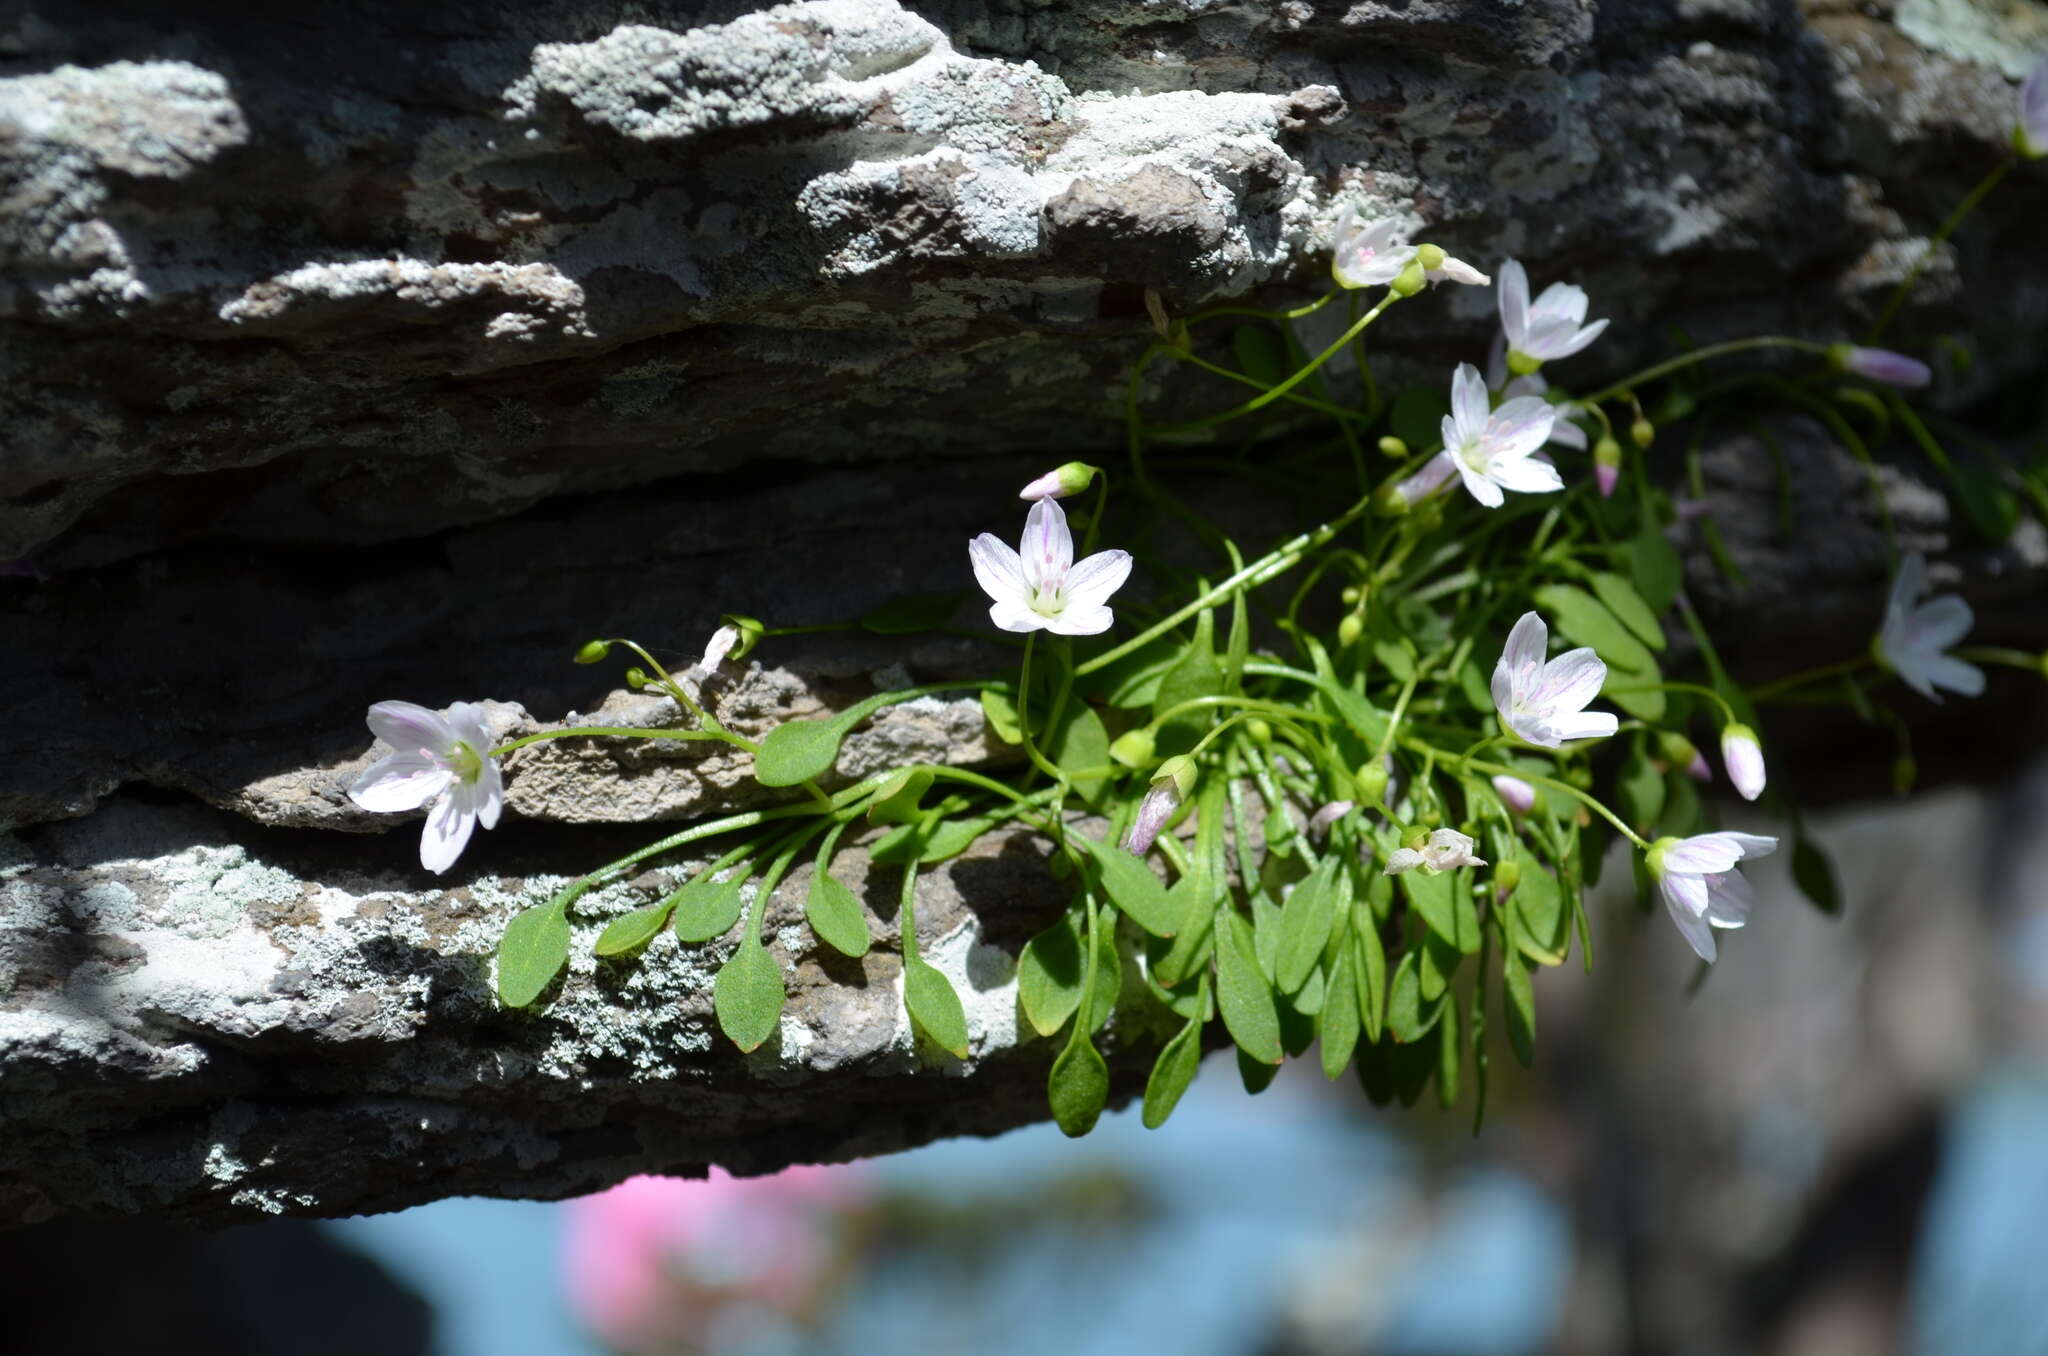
(1343, 794)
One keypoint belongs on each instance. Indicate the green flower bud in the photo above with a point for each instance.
(1389, 502)
(1180, 770)
(1429, 256)
(1350, 629)
(593, 651)
(1678, 750)
(1429, 818)
(1260, 731)
(1394, 447)
(1351, 595)
(1411, 281)
(636, 678)
(1607, 452)
(1507, 876)
(1134, 748)
(1371, 781)
(1643, 431)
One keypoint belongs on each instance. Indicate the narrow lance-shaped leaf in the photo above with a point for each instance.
(1242, 993)
(1172, 1073)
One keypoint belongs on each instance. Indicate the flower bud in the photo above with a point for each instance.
(1681, 752)
(1642, 432)
(1743, 756)
(1351, 595)
(636, 678)
(1411, 280)
(1134, 748)
(1350, 629)
(1430, 816)
(1394, 447)
(1516, 794)
(1156, 308)
(1506, 877)
(593, 651)
(1880, 364)
(718, 647)
(1607, 466)
(1260, 731)
(2030, 133)
(1170, 785)
(1061, 482)
(750, 633)
(1389, 502)
(1371, 781)
(1429, 256)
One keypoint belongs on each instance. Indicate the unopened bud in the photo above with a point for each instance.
(718, 647)
(1371, 781)
(1880, 364)
(1134, 748)
(1156, 308)
(1429, 256)
(1060, 482)
(1643, 432)
(1682, 753)
(593, 651)
(1411, 281)
(1350, 629)
(1351, 595)
(1507, 876)
(1607, 466)
(1430, 816)
(1516, 794)
(1389, 502)
(1743, 756)
(1394, 447)
(750, 632)
(1260, 731)
(636, 678)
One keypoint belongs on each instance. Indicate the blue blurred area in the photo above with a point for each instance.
(1258, 1203)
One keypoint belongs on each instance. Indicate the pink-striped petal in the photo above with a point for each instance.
(409, 727)
(403, 781)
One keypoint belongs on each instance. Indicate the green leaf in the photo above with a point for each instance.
(1258, 354)
(1193, 903)
(1305, 922)
(1172, 1072)
(1257, 1075)
(1133, 681)
(1132, 887)
(1001, 714)
(533, 951)
(1109, 970)
(1993, 510)
(1050, 973)
(1337, 1025)
(1436, 964)
(1448, 1052)
(1542, 924)
(1629, 609)
(747, 995)
(1408, 1017)
(912, 612)
(1438, 900)
(706, 908)
(935, 1007)
(1521, 1008)
(1308, 1001)
(1369, 965)
(1375, 1073)
(1243, 995)
(1078, 1086)
(1579, 616)
(1639, 792)
(1682, 817)
(1654, 561)
(798, 750)
(1266, 933)
(1813, 871)
(952, 838)
(1196, 675)
(895, 801)
(1082, 745)
(836, 916)
(629, 932)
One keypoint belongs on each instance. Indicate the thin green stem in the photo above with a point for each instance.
(1699, 355)
(1948, 228)
(1038, 760)
(1274, 393)
(1554, 784)
(1805, 676)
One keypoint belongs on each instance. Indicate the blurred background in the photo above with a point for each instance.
(1830, 1144)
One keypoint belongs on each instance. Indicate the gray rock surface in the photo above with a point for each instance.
(391, 349)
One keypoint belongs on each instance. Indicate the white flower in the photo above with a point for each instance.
(1915, 634)
(1367, 256)
(1445, 850)
(1743, 756)
(1543, 702)
(2030, 134)
(1700, 884)
(1457, 271)
(1552, 328)
(1491, 448)
(442, 762)
(1044, 589)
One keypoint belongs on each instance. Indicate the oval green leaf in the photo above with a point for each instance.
(707, 908)
(629, 932)
(836, 916)
(934, 1007)
(1050, 975)
(1078, 1086)
(1629, 609)
(798, 750)
(532, 952)
(748, 996)
(1243, 994)
(1132, 887)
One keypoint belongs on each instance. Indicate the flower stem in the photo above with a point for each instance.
(1038, 760)
(1273, 393)
(1554, 784)
(1948, 228)
(1805, 676)
(1699, 355)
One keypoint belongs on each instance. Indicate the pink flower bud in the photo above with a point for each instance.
(1153, 812)
(1744, 758)
(1516, 794)
(1060, 482)
(1881, 364)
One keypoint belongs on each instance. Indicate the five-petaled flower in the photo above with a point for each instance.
(1915, 634)
(1491, 449)
(1552, 328)
(1043, 588)
(1544, 702)
(440, 761)
(1443, 850)
(1363, 255)
(1700, 884)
